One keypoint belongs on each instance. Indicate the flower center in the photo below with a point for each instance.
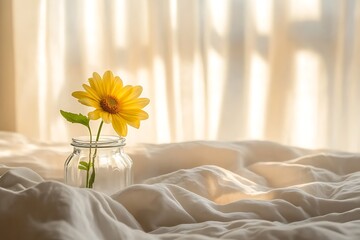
(109, 104)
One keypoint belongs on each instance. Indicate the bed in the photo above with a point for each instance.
(188, 190)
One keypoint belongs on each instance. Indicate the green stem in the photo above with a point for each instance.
(92, 178)
(89, 162)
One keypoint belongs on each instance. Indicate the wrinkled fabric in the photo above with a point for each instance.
(191, 190)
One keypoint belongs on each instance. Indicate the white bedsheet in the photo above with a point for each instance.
(192, 190)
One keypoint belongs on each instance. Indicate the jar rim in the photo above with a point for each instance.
(103, 142)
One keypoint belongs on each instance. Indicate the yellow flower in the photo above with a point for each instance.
(113, 102)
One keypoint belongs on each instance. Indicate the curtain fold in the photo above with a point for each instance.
(279, 70)
(7, 71)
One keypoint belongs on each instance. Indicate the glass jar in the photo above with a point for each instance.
(106, 158)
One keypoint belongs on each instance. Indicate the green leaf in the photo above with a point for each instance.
(75, 118)
(85, 164)
(81, 167)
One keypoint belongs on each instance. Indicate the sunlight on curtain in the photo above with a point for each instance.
(57, 67)
(160, 101)
(258, 93)
(199, 112)
(216, 64)
(214, 70)
(263, 15)
(173, 15)
(93, 34)
(305, 10)
(176, 86)
(119, 14)
(218, 11)
(306, 107)
(42, 68)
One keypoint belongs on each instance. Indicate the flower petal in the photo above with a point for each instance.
(107, 81)
(119, 126)
(124, 92)
(118, 85)
(94, 84)
(99, 83)
(132, 93)
(107, 117)
(80, 94)
(89, 102)
(135, 103)
(95, 115)
(140, 114)
(93, 94)
(131, 120)
(136, 92)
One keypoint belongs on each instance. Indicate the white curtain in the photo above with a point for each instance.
(278, 70)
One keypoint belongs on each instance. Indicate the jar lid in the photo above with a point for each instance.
(103, 142)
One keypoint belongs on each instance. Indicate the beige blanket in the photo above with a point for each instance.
(191, 190)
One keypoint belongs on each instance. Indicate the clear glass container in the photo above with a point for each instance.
(113, 167)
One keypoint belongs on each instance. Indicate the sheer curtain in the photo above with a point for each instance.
(278, 70)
